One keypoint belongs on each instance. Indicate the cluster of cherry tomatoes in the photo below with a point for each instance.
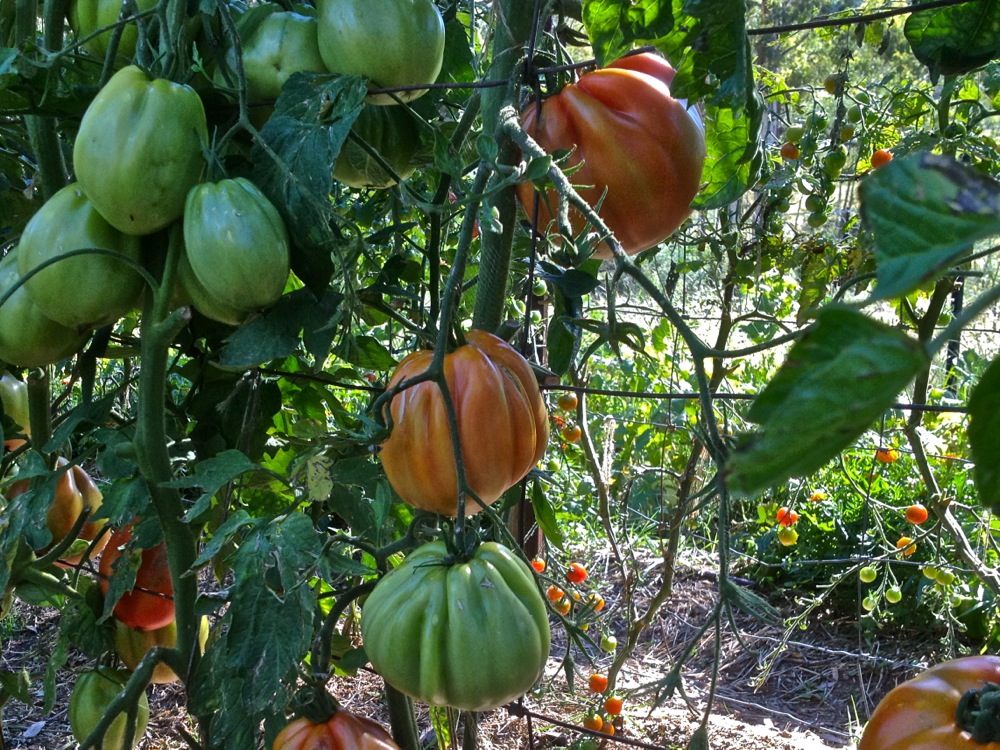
(569, 431)
(602, 717)
(564, 597)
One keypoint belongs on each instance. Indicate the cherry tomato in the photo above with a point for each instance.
(906, 546)
(868, 574)
(886, 455)
(788, 536)
(789, 151)
(572, 433)
(916, 514)
(594, 722)
(787, 517)
(880, 158)
(598, 683)
(567, 401)
(613, 705)
(554, 593)
(576, 573)
(538, 565)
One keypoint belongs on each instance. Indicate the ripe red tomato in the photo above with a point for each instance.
(342, 731)
(787, 517)
(935, 709)
(634, 148)
(576, 573)
(598, 683)
(917, 514)
(880, 158)
(538, 565)
(150, 604)
(502, 425)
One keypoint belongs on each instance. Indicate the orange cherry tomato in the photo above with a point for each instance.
(576, 573)
(886, 455)
(789, 151)
(572, 433)
(917, 514)
(906, 546)
(880, 158)
(538, 565)
(598, 683)
(787, 517)
(613, 705)
(554, 593)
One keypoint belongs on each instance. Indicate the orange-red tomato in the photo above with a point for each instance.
(572, 433)
(568, 401)
(563, 606)
(597, 683)
(538, 565)
(917, 514)
(906, 546)
(576, 573)
(613, 705)
(787, 517)
(789, 151)
(150, 604)
(923, 713)
(634, 148)
(343, 731)
(596, 601)
(75, 491)
(880, 158)
(554, 593)
(593, 722)
(502, 425)
(886, 455)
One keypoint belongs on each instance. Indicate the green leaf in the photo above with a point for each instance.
(984, 435)
(844, 372)
(546, 516)
(954, 40)
(735, 153)
(615, 26)
(925, 212)
(211, 475)
(292, 163)
(366, 352)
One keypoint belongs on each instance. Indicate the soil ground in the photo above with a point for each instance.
(774, 692)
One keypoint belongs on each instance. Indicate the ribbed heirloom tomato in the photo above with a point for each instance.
(635, 149)
(131, 646)
(502, 425)
(342, 731)
(951, 706)
(470, 634)
(150, 604)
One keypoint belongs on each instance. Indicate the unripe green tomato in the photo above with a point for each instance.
(794, 133)
(87, 16)
(867, 574)
(930, 572)
(69, 221)
(847, 133)
(955, 130)
(782, 205)
(282, 44)
(854, 115)
(869, 603)
(945, 578)
(139, 150)
(835, 160)
(27, 337)
(394, 133)
(132, 645)
(893, 595)
(535, 317)
(539, 288)
(817, 121)
(815, 202)
(236, 244)
(816, 219)
(389, 42)
(92, 693)
(14, 397)
(609, 643)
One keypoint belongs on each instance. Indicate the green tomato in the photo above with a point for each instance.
(237, 247)
(86, 17)
(14, 397)
(92, 694)
(930, 572)
(27, 337)
(609, 643)
(539, 288)
(393, 133)
(276, 45)
(139, 150)
(854, 114)
(945, 578)
(816, 219)
(535, 316)
(473, 635)
(389, 42)
(84, 291)
(869, 603)
(868, 574)
(815, 202)
(794, 133)
(835, 160)
(893, 595)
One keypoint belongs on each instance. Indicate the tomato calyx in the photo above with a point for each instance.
(978, 713)
(314, 703)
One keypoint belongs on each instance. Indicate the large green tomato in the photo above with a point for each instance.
(236, 246)
(389, 42)
(92, 694)
(14, 397)
(139, 150)
(88, 16)
(280, 44)
(83, 291)
(473, 635)
(392, 131)
(27, 337)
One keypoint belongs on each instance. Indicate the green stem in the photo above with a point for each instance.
(42, 131)
(401, 719)
(159, 326)
(39, 409)
(512, 30)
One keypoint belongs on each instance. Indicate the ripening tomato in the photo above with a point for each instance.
(554, 593)
(150, 604)
(342, 731)
(789, 151)
(572, 433)
(596, 601)
(886, 455)
(937, 709)
(917, 514)
(593, 722)
(787, 517)
(563, 606)
(788, 536)
(906, 546)
(502, 425)
(538, 565)
(576, 573)
(880, 158)
(597, 683)
(613, 705)
(92, 693)
(634, 148)
(131, 646)
(567, 401)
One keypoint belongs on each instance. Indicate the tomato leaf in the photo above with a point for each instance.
(616, 26)
(956, 39)
(925, 212)
(292, 161)
(844, 372)
(210, 475)
(735, 153)
(546, 516)
(984, 435)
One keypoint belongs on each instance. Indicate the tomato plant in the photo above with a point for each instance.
(139, 150)
(342, 731)
(236, 249)
(950, 705)
(149, 605)
(634, 148)
(484, 610)
(69, 221)
(92, 693)
(495, 393)
(395, 43)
